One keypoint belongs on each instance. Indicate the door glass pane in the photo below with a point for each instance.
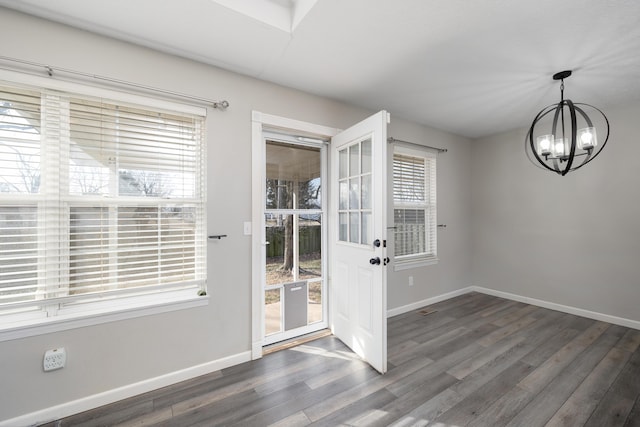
(343, 227)
(366, 192)
(344, 194)
(354, 160)
(354, 193)
(344, 163)
(293, 176)
(366, 155)
(314, 310)
(272, 311)
(366, 228)
(354, 227)
(279, 235)
(310, 246)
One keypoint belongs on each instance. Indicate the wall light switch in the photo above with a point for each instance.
(247, 228)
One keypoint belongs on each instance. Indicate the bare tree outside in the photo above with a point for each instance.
(144, 183)
(28, 179)
(280, 196)
(19, 151)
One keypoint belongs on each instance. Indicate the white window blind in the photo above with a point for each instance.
(414, 199)
(102, 204)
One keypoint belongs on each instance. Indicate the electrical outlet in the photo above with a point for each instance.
(54, 359)
(410, 280)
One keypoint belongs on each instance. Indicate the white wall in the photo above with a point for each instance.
(572, 240)
(117, 354)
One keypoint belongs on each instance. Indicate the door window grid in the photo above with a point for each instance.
(355, 196)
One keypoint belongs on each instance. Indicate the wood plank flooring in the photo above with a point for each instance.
(474, 360)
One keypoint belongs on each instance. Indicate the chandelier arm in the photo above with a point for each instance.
(546, 110)
(589, 124)
(554, 127)
(574, 130)
(605, 139)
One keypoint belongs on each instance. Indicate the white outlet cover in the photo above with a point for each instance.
(54, 359)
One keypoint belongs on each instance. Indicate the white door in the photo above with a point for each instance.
(358, 239)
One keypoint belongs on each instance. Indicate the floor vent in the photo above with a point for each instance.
(426, 311)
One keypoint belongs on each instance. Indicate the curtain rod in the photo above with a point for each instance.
(49, 70)
(391, 140)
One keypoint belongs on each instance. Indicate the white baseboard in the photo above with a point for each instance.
(256, 350)
(419, 304)
(634, 324)
(94, 401)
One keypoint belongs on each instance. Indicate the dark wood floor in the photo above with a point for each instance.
(474, 360)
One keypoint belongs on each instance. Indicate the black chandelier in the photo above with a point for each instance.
(565, 146)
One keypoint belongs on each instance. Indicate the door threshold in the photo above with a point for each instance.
(302, 339)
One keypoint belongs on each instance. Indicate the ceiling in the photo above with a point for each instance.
(471, 67)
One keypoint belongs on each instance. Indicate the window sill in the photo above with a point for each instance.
(414, 263)
(40, 326)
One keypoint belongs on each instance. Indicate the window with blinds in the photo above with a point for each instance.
(414, 205)
(102, 205)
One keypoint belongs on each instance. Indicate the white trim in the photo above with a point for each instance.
(293, 333)
(42, 326)
(629, 323)
(287, 124)
(419, 304)
(414, 263)
(634, 324)
(94, 401)
(259, 122)
(257, 246)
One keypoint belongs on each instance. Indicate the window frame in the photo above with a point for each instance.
(430, 256)
(46, 320)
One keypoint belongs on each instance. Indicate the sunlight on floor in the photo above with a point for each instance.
(418, 422)
(345, 355)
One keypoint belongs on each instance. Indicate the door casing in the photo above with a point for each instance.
(266, 122)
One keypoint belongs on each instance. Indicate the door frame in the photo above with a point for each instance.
(266, 122)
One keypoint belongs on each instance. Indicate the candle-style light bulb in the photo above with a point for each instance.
(558, 147)
(587, 138)
(544, 144)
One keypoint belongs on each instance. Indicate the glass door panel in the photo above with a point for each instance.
(294, 234)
